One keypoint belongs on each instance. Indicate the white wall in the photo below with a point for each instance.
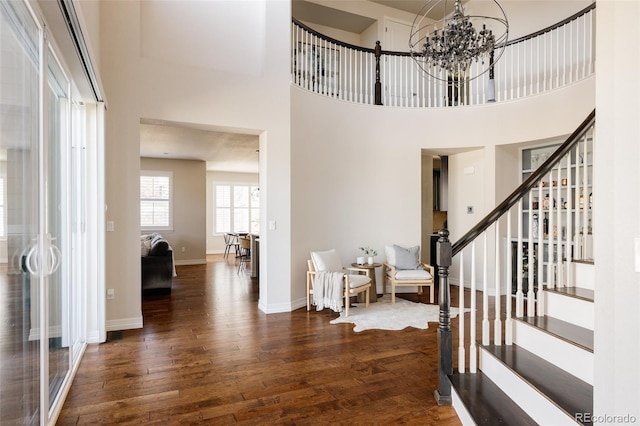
(215, 242)
(231, 87)
(357, 181)
(617, 210)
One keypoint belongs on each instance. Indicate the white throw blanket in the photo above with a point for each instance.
(328, 291)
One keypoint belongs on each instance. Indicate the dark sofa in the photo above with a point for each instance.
(157, 263)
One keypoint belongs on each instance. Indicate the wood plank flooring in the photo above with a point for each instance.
(208, 355)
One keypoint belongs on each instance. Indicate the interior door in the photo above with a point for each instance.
(396, 39)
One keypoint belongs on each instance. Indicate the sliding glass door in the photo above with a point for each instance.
(41, 203)
(20, 350)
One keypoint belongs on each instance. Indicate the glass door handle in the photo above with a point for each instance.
(31, 261)
(53, 255)
(54, 259)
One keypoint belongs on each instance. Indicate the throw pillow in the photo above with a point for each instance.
(326, 261)
(145, 247)
(407, 258)
(390, 253)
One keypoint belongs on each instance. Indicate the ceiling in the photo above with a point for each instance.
(235, 150)
(224, 149)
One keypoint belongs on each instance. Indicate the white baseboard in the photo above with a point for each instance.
(277, 308)
(124, 324)
(93, 337)
(215, 251)
(191, 262)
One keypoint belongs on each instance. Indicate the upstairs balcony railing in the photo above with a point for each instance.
(553, 57)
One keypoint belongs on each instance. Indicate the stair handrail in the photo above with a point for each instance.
(445, 252)
(525, 186)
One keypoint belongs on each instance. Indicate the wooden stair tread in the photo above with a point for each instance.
(486, 402)
(565, 390)
(571, 333)
(575, 292)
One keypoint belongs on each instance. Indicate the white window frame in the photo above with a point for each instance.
(159, 173)
(233, 186)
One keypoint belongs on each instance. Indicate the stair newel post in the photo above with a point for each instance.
(445, 343)
(378, 85)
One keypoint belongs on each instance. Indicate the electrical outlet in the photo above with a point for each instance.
(110, 226)
(111, 293)
(183, 249)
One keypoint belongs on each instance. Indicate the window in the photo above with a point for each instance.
(156, 206)
(237, 208)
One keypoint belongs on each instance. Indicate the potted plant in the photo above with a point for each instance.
(371, 253)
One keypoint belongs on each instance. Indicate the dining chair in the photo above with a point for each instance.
(230, 240)
(244, 255)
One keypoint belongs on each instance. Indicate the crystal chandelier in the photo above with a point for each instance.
(449, 46)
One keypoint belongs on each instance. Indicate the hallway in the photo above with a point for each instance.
(208, 355)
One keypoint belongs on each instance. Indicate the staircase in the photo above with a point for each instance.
(536, 367)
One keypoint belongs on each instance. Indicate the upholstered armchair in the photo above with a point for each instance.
(404, 268)
(329, 284)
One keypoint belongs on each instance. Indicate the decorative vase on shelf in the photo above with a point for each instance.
(370, 260)
(360, 260)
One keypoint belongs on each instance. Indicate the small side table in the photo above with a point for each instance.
(371, 272)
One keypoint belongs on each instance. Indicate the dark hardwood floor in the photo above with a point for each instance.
(208, 355)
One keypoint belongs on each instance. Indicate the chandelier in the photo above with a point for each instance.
(447, 47)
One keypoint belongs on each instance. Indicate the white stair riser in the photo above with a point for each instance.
(461, 410)
(584, 275)
(538, 407)
(575, 311)
(564, 355)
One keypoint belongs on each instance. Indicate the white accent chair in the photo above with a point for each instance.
(403, 268)
(329, 261)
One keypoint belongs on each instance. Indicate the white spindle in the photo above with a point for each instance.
(359, 76)
(540, 253)
(538, 39)
(519, 294)
(550, 263)
(530, 281)
(585, 183)
(497, 329)
(461, 351)
(557, 232)
(565, 234)
(473, 351)
(508, 338)
(485, 291)
(564, 54)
